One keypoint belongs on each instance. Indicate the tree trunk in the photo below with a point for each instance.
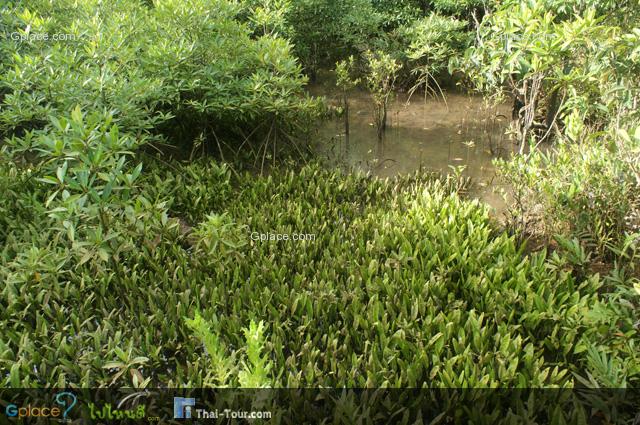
(384, 117)
(346, 118)
(552, 112)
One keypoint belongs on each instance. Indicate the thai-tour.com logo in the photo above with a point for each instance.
(185, 408)
(62, 404)
(182, 407)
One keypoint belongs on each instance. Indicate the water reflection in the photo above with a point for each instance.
(428, 134)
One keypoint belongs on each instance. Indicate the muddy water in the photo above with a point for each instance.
(429, 134)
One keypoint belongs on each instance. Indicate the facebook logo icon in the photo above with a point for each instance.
(182, 407)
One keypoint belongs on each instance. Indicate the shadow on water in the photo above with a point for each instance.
(428, 134)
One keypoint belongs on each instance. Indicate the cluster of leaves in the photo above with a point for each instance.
(574, 73)
(252, 372)
(588, 69)
(382, 71)
(98, 67)
(434, 45)
(90, 186)
(73, 214)
(175, 69)
(398, 13)
(463, 8)
(589, 191)
(623, 13)
(192, 202)
(326, 32)
(267, 17)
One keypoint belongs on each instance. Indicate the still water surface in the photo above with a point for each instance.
(428, 134)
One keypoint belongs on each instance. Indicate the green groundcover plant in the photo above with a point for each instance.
(405, 284)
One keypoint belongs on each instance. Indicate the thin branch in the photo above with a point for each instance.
(218, 143)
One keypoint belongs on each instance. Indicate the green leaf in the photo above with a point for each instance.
(76, 115)
(61, 172)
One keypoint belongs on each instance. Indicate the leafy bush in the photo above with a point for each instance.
(268, 17)
(99, 68)
(79, 215)
(435, 43)
(395, 14)
(461, 7)
(83, 161)
(136, 63)
(561, 72)
(572, 71)
(381, 76)
(327, 31)
(587, 191)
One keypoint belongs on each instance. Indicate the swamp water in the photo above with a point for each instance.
(428, 134)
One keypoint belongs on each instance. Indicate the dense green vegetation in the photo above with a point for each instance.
(421, 277)
(121, 265)
(574, 75)
(135, 62)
